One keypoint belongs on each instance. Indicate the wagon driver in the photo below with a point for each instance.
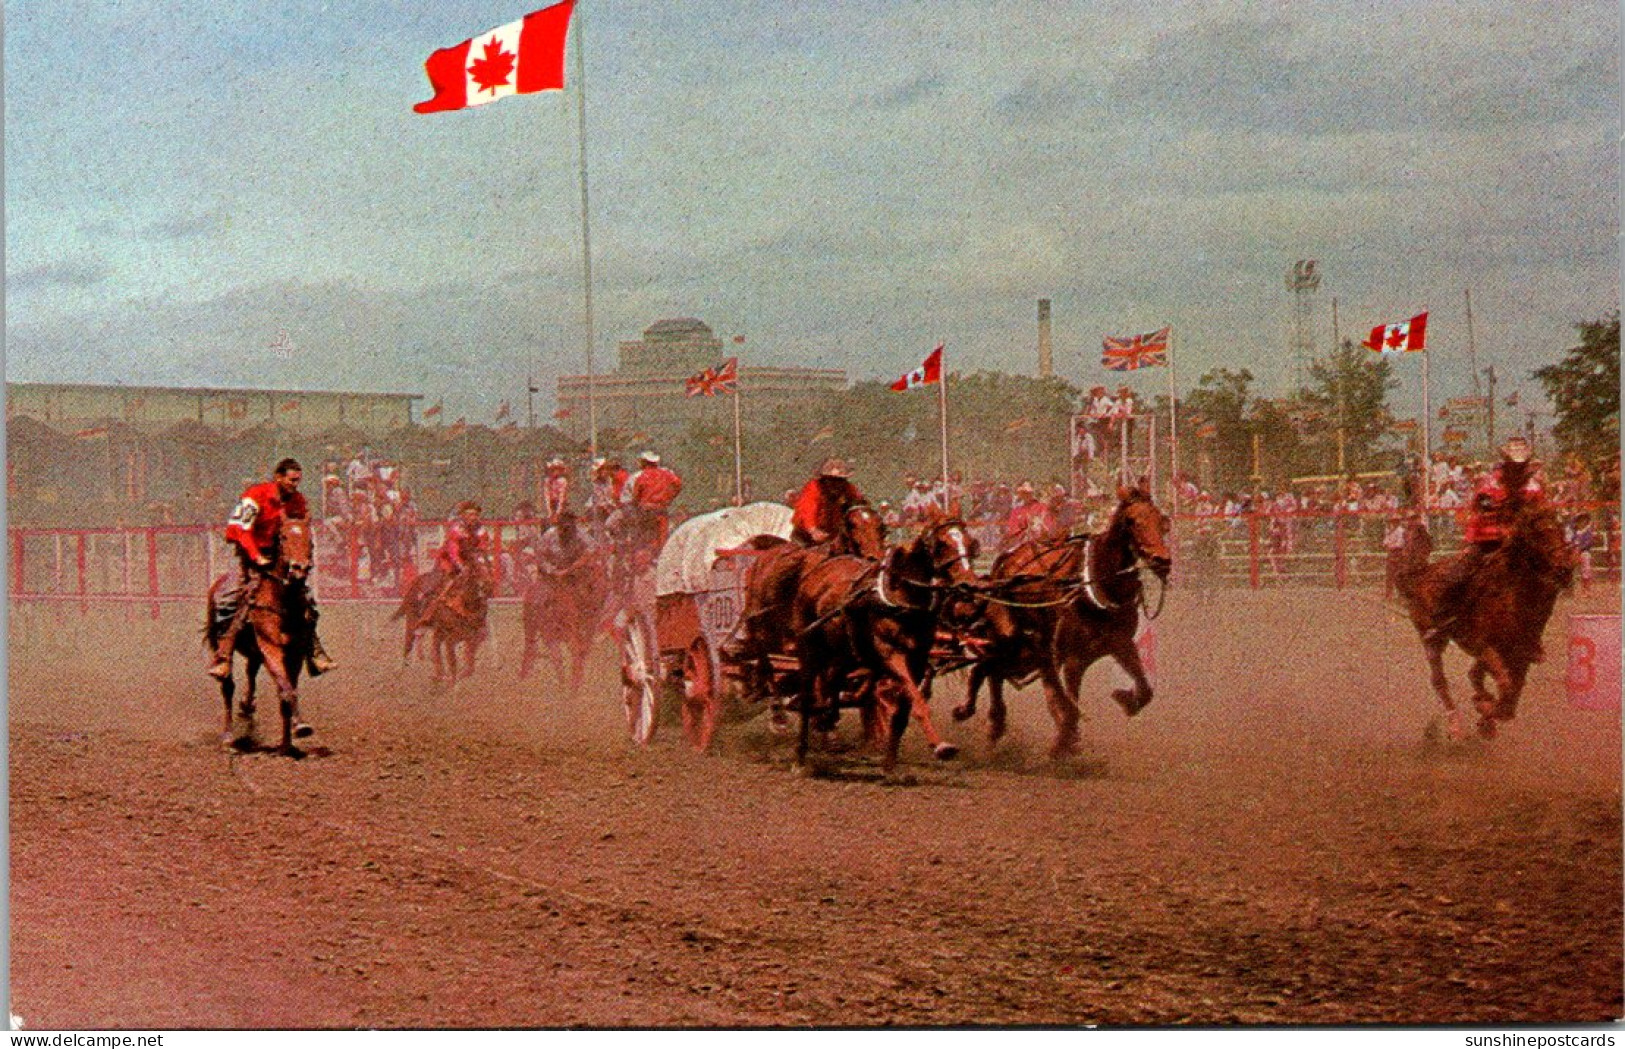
(821, 505)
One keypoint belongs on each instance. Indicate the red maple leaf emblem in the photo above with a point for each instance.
(492, 69)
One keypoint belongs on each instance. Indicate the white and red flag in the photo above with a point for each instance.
(515, 59)
(1405, 337)
(929, 371)
(713, 381)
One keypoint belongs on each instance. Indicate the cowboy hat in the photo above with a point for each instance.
(468, 504)
(834, 467)
(555, 463)
(1516, 449)
(649, 457)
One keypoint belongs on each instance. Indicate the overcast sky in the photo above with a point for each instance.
(842, 183)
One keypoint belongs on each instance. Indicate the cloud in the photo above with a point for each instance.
(1283, 75)
(75, 275)
(925, 85)
(188, 226)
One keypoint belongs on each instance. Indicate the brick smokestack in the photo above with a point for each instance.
(1046, 357)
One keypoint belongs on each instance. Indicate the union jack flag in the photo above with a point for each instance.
(713, 381)
(1130, 353)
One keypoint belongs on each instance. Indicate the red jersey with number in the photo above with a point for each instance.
(257, 518)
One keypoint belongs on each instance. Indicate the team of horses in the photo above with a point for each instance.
(860, 622)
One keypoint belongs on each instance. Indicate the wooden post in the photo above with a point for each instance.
(354, 551)
(84, 579)
(152, 569)
(18, 586)
(1339, 559)
(1252, 548)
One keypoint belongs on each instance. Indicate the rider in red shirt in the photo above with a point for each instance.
(1030, 518)
(467, 546)
(650, 493)
(467, 541)
(1512, 483)
(821, 505)
(252, 531)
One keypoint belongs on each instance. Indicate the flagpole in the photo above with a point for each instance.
(739, 467)
(1173, 430)
(942, 424)
(586, 230)
(1427, 437)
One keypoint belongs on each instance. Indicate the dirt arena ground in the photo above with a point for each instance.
(1272, 841)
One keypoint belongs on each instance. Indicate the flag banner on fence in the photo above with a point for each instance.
(1132, 352)
(929, 371)
(1405, 337)
(290, 406)
(514, 59)
(712, 381)
(432, 411)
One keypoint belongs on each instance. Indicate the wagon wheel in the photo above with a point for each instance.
(639, 680)
(702, 698)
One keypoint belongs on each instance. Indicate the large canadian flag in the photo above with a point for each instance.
(1405, 337)
(929, 371)
(515, 59)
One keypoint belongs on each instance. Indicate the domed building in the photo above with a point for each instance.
(647, 392)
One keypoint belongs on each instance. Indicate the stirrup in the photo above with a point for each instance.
(220, 669)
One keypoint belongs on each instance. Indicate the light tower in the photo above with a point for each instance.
(1046, 355)
(1302, 280)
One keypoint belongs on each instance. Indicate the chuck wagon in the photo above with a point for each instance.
(700, 600)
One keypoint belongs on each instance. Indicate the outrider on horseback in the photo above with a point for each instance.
(266, 609)
(1493, 599)
(451, 599)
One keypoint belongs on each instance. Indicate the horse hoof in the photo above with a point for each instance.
(302, 730)
(962, 713)
(291, 751)
(1486, 728)
(945, 751)
(1126, 699)
(238, 744)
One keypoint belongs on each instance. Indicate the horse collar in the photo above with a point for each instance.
(1091, 589)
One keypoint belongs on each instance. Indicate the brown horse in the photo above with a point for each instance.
(866, 629)
(1504, 610)
(565, 610)
(771, 581)
(455, 619)
(1055, 607)
(273, 633)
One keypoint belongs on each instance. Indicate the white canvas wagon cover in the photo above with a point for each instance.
(685, 561)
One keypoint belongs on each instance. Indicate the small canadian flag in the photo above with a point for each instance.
(514, 59)
(1405, 337)
(929, 371)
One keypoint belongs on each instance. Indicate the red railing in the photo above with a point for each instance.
(1335, 549)
(159, 565)
(155, 566)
